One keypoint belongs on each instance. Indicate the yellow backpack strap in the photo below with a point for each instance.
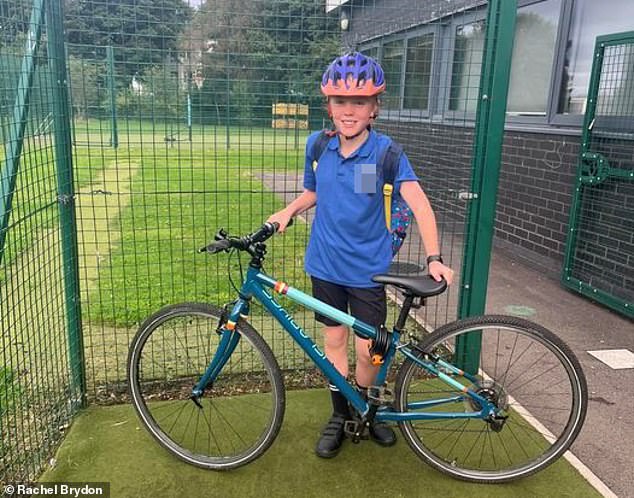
(387, 205)
(389, 161)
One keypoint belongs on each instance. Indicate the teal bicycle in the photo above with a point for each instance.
(485, 399)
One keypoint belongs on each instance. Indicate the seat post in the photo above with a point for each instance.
(402, 317)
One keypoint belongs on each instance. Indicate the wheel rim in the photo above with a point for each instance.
(529, 374)
(232, 421)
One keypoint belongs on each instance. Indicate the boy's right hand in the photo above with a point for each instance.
(282, 218)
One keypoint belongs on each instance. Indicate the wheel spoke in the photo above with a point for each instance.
(236, 419)
(526, 372)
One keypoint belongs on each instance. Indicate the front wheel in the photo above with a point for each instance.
(531, 376)
(237, 417)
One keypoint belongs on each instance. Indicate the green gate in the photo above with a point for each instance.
(600, 249)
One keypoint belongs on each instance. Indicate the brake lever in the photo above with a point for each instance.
(216, 247)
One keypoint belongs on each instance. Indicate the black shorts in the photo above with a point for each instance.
(367, 304)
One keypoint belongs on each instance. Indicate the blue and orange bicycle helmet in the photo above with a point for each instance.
(353, 75)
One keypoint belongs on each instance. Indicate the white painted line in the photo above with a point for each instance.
(589, 476)
(616, 359)
(585, 472)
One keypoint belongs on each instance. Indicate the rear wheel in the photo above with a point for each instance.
(236, 419)
(525, 370)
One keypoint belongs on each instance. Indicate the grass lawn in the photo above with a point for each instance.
(107, 444)
(155, 206)
(170, 202)
(34, 207)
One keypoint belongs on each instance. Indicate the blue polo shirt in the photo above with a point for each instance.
(349, 242)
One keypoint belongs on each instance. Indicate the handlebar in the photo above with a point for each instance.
(224, 242)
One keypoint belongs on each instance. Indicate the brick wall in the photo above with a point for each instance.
(535, 193)
(535, 190)
(374, 18)
(537, 178)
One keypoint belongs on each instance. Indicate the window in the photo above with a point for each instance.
(590, 19)
(392, 62)
(533, 53)
(434, 69)
(371, 52)
(467, 62)
(418, 70)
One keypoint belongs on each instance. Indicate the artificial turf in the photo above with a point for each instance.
(107, 443)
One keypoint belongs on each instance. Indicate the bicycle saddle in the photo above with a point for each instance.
(423, 286)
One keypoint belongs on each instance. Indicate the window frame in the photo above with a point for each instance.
(404, 38)
(433, 74)
(565, 11)
(479, 14)
(475, 15)
(401, 85)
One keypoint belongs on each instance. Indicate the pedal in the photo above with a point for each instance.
(380, 396)
(351, 429)
(356, 430)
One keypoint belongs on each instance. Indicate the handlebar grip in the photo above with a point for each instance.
(223, 242)
(276, 225)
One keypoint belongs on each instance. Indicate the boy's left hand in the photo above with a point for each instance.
(439, 271)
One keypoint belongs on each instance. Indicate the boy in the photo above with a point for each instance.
(349, 242)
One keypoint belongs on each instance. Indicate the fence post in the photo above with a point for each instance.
(489, 134)
(114, 135)
(66, 199)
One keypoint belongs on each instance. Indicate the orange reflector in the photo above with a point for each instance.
(377, 359)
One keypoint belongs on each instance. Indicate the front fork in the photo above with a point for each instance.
(229, 339)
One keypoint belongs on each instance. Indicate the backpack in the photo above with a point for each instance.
(398, 215)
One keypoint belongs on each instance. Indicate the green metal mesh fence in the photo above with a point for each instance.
(37, 398)
(210, 106)
(188, 117)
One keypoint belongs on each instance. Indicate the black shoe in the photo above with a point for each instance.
(331, 438)
(382, 434)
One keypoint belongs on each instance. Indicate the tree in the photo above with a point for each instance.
(156, 98)
(269, 49)
(86, 87)
(142, 32)
(14, 21)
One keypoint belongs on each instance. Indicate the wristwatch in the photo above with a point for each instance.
(434, 257)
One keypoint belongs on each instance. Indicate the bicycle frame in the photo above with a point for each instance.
(255, 285)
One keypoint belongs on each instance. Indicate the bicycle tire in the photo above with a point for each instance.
(241, 413)
(543, 391)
